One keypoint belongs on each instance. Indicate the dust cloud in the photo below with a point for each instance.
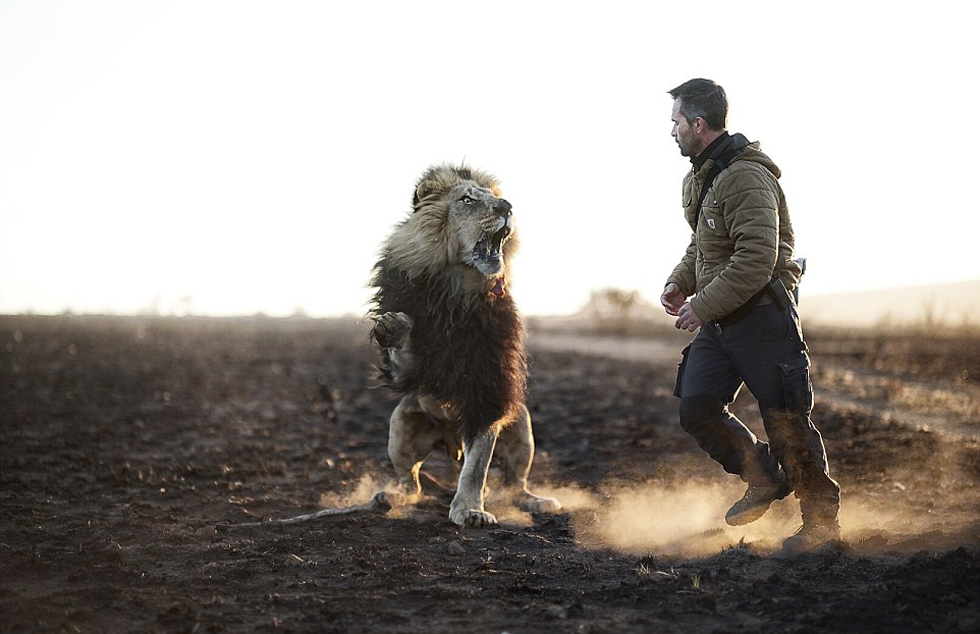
(683, 520)
(687, 519)
(363, 491)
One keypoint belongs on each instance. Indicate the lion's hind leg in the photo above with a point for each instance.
(411, 437)
(515, 453)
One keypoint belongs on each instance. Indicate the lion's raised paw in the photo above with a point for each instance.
(391, 329)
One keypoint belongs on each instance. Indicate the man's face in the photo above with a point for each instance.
(683, 133)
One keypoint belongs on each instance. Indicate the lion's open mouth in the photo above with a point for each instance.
(488, 247)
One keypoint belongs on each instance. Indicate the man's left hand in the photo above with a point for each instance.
(687, 319)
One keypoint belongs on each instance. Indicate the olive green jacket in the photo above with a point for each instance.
(742, 238)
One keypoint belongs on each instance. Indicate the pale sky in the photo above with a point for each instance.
(241, 157)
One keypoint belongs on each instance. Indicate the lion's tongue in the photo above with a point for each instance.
(498, 287)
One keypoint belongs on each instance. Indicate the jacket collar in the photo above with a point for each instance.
(699, 160)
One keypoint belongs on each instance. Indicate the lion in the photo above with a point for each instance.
(451, 343)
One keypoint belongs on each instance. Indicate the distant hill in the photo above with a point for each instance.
(955, 304)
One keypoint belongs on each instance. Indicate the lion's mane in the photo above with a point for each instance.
(468, 344)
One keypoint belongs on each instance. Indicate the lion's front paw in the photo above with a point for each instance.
(472, 518)
(391, 329)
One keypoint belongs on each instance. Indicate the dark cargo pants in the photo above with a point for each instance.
(765, 351)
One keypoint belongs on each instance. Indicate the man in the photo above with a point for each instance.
(739, 268)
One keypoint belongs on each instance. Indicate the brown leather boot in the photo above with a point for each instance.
(756, 501)
(809, 537)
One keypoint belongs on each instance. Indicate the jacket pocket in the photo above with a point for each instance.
(715, 244)
(713, 226)
(797, 387)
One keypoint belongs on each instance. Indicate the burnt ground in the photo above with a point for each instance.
(128, 442)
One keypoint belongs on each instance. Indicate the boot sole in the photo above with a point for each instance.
(751, 514)
(791, 550)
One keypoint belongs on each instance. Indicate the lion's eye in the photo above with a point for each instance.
(466, 200)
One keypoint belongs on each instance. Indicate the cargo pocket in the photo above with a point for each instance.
(680, 371)
(797, 388)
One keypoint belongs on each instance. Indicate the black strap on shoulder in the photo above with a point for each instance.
(726, 154)
(715, 170)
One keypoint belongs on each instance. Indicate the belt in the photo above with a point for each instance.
(759, 299)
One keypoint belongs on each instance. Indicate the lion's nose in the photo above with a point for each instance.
(503, 208)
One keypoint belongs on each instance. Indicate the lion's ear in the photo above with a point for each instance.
(423, 190)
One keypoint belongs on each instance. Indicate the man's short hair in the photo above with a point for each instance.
(703, 98)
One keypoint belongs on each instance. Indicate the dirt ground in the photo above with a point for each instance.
(127, 443)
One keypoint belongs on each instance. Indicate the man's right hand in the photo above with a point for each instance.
(672, 299)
